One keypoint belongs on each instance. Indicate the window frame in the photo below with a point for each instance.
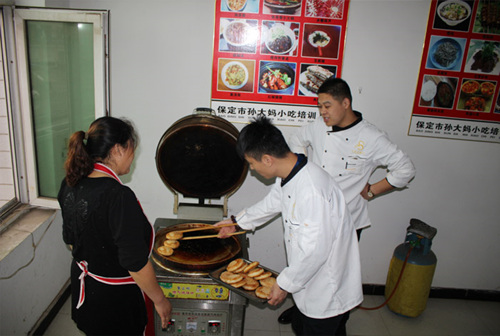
(99, 19)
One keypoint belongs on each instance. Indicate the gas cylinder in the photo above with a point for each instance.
(418, 263)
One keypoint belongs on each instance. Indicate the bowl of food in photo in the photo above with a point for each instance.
(276, 78)
(445, 53)
(470, 87)
(487, 89)
(453, 12)
(475, 104)
(444, 95)
(236, 5)
(237, 33)
(234, 75)
(280, 39)
(283, 6)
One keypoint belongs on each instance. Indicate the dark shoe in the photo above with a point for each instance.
(287, 316)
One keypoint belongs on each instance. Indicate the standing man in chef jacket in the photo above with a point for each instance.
(323, 272)
(350, 148)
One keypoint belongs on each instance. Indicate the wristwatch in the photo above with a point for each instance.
(370, 193)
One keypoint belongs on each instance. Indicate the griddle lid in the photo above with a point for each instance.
(197, 156)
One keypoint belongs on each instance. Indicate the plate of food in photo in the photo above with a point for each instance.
(485, 57)
(234, 75)
(311, 79)
(318, 39)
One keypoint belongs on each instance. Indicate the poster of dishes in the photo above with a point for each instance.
(458, 87)
(271, 57)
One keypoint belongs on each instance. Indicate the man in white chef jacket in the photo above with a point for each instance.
(323, 272)
(350, 148)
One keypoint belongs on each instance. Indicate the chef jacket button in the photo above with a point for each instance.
(346, 139)
(323, 166)
(340, 174)
(289, 196)
(342, 159)
(326, 151)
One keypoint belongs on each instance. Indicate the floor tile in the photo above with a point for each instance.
(441, 317)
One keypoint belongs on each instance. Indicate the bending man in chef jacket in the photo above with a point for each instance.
(323, 272)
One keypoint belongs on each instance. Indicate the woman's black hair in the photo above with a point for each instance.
(85, 149)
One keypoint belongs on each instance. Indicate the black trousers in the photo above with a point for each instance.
(332, 326)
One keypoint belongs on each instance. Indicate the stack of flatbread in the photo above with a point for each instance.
(249, 276)
(314, 77)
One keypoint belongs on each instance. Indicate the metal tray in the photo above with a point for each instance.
(215, 275)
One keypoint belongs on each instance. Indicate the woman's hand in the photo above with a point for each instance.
(146, 280)
(164, 310)
(225, 231)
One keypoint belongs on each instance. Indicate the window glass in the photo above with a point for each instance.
(61, 76)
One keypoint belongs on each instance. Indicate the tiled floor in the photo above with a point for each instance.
(441, 317)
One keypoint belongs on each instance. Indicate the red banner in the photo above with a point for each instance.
(458, 87)
(270, 57)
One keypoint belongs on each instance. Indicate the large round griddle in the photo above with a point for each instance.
(197, 255)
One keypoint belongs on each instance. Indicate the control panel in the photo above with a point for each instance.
(194, 323)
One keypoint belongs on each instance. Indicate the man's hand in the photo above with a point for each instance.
(225, 231)
(277, 295)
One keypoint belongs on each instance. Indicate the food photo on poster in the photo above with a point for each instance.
(276, 77)
(321, 40)
(243, 6)
(238, 35)
(476, 95)
(438, 91)
(289, 7)
(497, 105)
(487, 20)
(483, 57)
(328, 9)
(445, 53)
(453, 15)
(235, 75)
(279, 38)
(312, 76)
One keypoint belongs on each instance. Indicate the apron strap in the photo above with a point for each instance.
(105, 280)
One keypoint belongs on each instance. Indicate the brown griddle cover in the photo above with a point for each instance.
(197, 157)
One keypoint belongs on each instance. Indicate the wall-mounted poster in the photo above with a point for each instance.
(271, 56)
(458, 88)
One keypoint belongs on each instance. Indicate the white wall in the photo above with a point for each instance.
(34, 272)
(161, 54)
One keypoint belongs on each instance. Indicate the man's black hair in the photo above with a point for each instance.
(337, 88)
(261, 137)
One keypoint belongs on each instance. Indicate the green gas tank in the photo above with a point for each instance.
(418, 262)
